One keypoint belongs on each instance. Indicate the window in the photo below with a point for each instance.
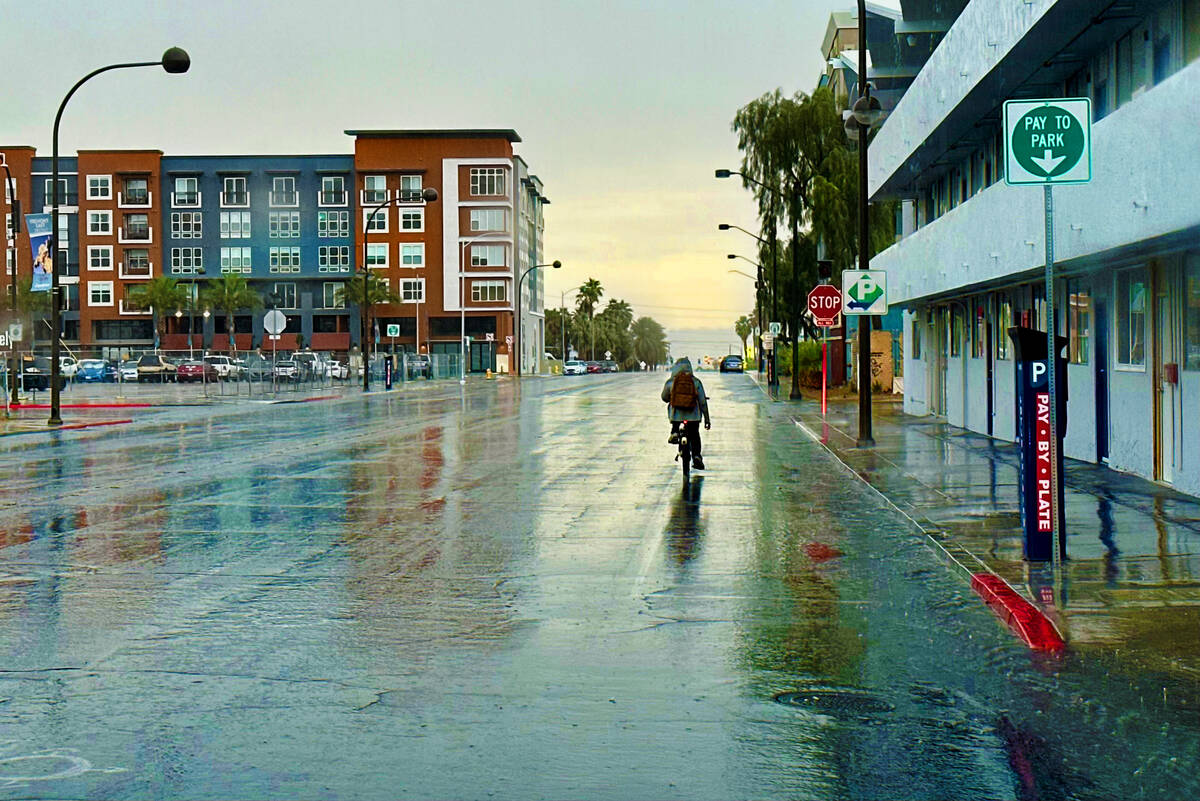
(412, 290)
(100, 257)
(334, 295)
(283, 191)
(1079, 321)
(374, 189)
(333, 190)
(10, 259)
(287, 295)
(187, 192)
(136, 192)
(916, 335)
(488, 220)
(375, 219)
(412, 219)
(412, 255)
(137, 263)
(956, 332)
(487, 181)
(186, 225)
(1004, 321)
(1100, 86)
(100, 293)
(284, 260)
(1130, 302)
(186, 261)
(99, 187)
(377, 254)
(487, 256)
(333, 223)
(283, 224)
(488, 291)
(235, 225)
(410, 187)
(235, 260)
(99, 223)
(233, 191)
(333, 258)
(1192, 312)
(979, 335)
(136, 227)
(65, 198)
(64, 231)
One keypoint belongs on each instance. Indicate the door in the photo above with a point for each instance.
(482, 357)
(989, 355)
(1166, 371)
(1101, 357)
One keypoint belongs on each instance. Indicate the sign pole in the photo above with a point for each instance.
(1051, 369)
(824, 367)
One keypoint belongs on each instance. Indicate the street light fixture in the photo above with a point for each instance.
(556, 264)
(428, 194)
(175, 61)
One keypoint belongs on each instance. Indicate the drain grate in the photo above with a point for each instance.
(836, 701)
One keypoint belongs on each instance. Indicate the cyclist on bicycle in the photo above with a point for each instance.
(687, 405)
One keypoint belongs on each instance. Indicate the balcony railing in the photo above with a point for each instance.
(235, 199)
(185, 199)
(284, 199)
(372, 196)
(130, 306)
(135, 233)
(136, 270)
(137, 199)
(332, 198)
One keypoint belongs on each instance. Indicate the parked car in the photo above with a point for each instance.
(155, 367)
(310, 364)
(35, 374)
(609, 366)
(257, 368)
(197, 370)
(418, 365)
(574, 367)
(112, 370)
(733, 364)
(594, 367)
(92, 370)
(288, 370)
(128, 370)
(338, 370)
(68, 366)
(223, 365)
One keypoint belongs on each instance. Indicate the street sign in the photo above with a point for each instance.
(864, 292)
(274, 321)
(393, 330)
(1048, 141)
(508, 340)
(608, 354)
(490, 337)
(16, 331)
(272, 336)
(825, 304)
(768, 341)
(775, 328)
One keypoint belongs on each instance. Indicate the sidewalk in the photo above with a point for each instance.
(1132, 578)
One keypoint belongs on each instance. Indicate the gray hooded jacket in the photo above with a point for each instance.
(697, 412)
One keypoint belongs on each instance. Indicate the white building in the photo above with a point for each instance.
(1127, 244)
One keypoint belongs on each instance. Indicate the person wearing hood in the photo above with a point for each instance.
(687, 405)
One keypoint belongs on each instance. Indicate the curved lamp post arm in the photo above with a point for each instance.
(517, 321)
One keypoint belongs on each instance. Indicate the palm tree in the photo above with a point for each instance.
(649, 341)
(229, 293)
(585, 301)
(743, 327)
(377, 291)
(163, 295)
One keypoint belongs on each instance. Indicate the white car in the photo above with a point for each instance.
(338, 370)
(223, 365)
(129, 370)
(67, 366)
(574, 367)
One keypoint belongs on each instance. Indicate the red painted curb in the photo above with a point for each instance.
(94, 425)
(83, 405)
(1026, 620)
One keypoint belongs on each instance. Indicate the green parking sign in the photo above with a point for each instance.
(1048, 141)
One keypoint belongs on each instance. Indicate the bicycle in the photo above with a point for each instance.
(685, 453)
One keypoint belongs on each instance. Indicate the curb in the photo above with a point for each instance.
(66, 427)
(83, 405)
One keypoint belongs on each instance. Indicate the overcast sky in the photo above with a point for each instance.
(624, 107)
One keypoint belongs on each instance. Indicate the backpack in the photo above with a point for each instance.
(683, 391)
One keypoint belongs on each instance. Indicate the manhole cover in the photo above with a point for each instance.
(835, 701)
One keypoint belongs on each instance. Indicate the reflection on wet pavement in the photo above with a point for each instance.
(507, 593)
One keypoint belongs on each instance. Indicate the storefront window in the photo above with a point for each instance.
(1079, 321)
(1004, 322)
(1192, 312)
(1131, 318)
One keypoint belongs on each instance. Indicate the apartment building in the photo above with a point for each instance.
(297, 228)
(1127, 244)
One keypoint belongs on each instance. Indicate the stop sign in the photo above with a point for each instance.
(825, 304)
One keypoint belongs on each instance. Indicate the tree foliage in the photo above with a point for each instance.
(229, 294)
(163, 295)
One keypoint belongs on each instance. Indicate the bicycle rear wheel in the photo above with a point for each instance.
(685, 454)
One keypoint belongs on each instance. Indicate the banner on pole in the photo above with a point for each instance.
(41, 243)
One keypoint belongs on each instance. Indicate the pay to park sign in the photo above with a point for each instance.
(1048, 141)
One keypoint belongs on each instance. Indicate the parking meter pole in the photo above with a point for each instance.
(1052, 356)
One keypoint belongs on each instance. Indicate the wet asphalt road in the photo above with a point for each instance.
(508, 594)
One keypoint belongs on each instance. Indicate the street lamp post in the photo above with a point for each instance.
(758, 309)
(556, 264)
(774, 260)
(175, 61)
(178, 318)
(428, 194)
(15, 210)
(462, 300)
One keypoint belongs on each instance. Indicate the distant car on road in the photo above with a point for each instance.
(609, 366)
(594, 367)
(733, 364)
(574, 367)
(92, 370)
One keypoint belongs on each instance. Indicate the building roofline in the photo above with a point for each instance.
(120, 150)
(439, 133)
(18, 147)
